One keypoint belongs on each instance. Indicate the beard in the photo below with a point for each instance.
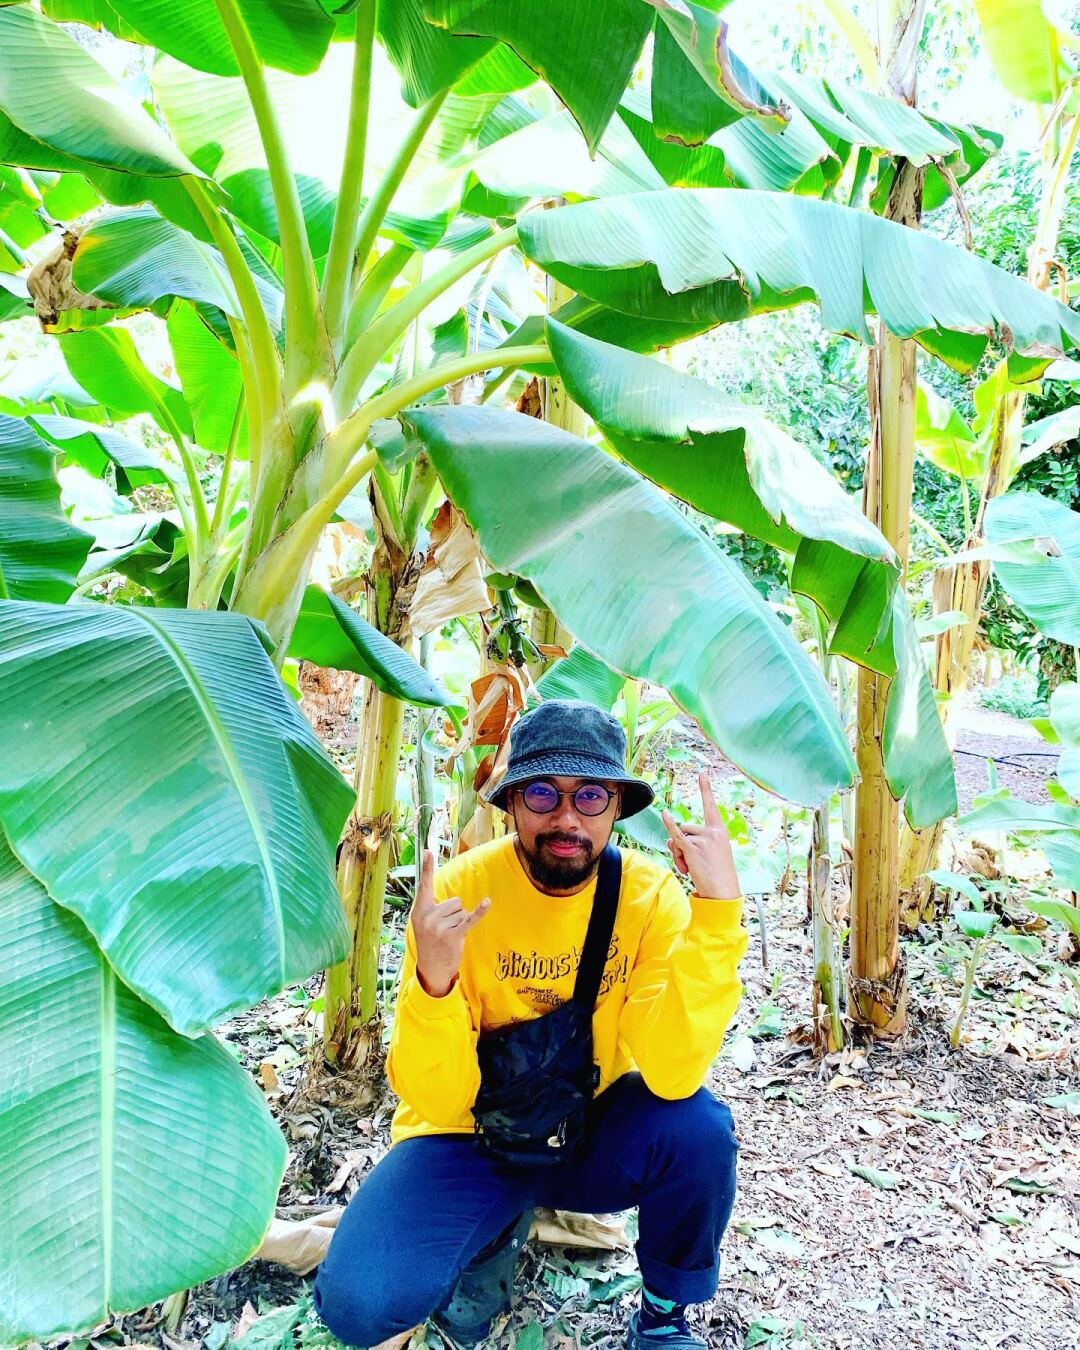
(555, 873)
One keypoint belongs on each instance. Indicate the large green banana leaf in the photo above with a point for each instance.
(288, 34)
(330, 633)
(1024, 48)
(730, 462)
(121, 188)
(944, 438)
(199, 812)
(57, 93)
(135, 258)
(642, 588)
(41, 552)
(134, 1162)
(1048, 591)
(692, 64)
(585, 49)
(665, 253)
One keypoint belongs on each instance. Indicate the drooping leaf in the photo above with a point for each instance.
(200, 814)
(430, 59)
(330, 633)
(656, 253)
(36, 383)
(857, 117)
(585, 49)
(641, 587)
(41, 552)
(1047, 432)
(1048, 590)
(92, 447)
(136, 258)
(144, 1162)
(692, 39)
(728, 460)
(121, 188)
(57, 93)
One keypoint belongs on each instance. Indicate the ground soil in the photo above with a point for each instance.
(860, 1223)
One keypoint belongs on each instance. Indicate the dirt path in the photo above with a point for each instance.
(1025, 760)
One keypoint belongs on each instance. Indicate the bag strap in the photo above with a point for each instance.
(601, 926)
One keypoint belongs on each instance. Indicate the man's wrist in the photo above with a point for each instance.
(435, 988)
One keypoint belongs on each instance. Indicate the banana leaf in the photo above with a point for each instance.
(200, 814)
(143, 1162)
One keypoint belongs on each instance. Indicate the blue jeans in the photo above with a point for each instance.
(433, 1202)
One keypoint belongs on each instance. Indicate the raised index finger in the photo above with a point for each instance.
(425, 892)
(709, 811)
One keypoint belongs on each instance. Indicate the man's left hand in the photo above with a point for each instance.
(704, 851)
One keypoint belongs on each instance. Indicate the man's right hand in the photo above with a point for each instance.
(440, 930)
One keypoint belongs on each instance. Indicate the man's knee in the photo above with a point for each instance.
(363, 1309)
(698, 1129)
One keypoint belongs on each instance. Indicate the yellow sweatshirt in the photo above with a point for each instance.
(669, 989)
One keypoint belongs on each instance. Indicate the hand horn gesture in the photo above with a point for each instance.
(704, 851)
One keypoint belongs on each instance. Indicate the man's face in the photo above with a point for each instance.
(562, 847)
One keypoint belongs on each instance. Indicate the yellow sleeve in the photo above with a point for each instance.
(683, 990)
(431, 1063)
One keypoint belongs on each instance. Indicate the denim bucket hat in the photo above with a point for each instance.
(569, 737)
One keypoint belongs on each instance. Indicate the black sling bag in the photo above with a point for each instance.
(537, 1077)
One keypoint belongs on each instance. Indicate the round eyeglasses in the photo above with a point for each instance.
(590, 799)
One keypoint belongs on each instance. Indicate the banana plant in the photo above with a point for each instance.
(1036, 62)
(302, 267)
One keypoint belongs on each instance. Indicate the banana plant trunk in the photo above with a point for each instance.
(351, 1022)
(876, 984)
(964, 587)
(558, 408)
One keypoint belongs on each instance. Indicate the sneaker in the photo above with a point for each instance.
(483, 1288)
(677, 1337)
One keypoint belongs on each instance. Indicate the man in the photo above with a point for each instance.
(495, 939)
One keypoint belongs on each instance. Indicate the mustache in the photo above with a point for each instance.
(553, 838)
